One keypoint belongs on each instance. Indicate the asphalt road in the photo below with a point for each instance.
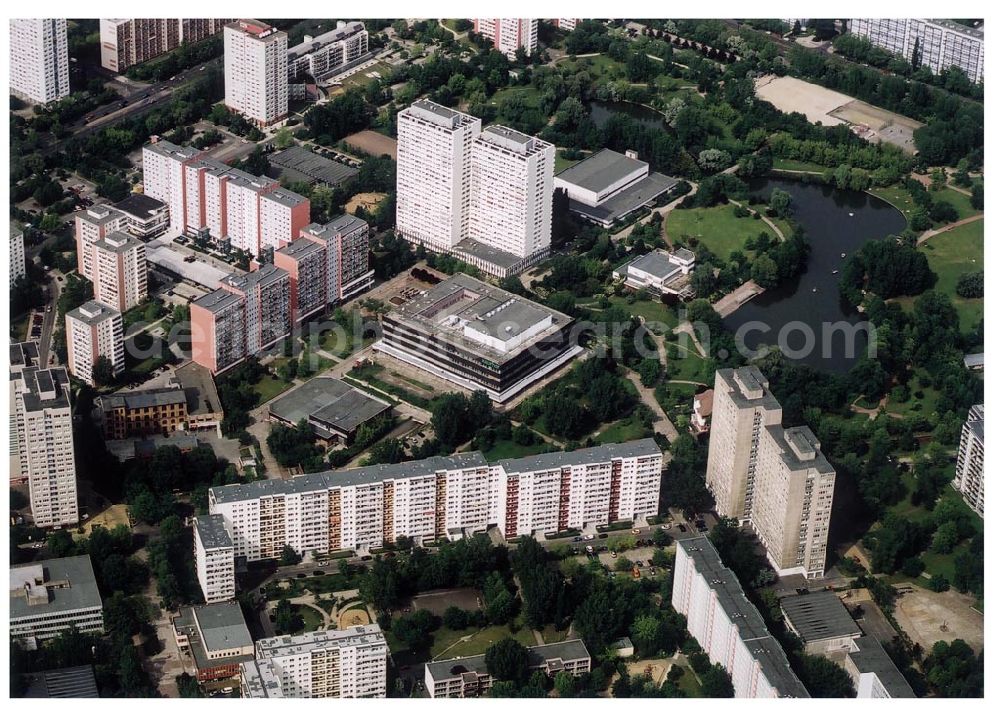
(53, 289)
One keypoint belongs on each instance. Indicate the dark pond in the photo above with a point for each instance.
(836, 224)
(601, 112)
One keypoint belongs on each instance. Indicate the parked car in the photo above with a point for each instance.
(578, 539)
(636, 530)
(590, 549)
(588, 537)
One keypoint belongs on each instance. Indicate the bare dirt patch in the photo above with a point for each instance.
(372, 143)
(438, 602)
(367, 201)
(929, 617)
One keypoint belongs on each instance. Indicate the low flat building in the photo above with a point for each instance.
(821, 621)
(608, 186)
(332, 408)
(975, 361)
(660, 272)
(49, 597)
(145, 448)
(204, 408)
(346, 664)
(479, 337)
(143, 216)
(157, 411)
(215, 637)
(77, 682)
(300, 164)
(468, 677)
(874, 673)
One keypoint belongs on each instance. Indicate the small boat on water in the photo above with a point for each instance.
(843, 256)
(836, 271)
(850, 213)
(814, 289)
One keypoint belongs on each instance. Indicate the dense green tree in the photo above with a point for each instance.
(507, 660)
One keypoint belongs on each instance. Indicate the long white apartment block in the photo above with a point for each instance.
(256, 61)
(510, 206)
(42, 437)
(214, 559)
(509, 34)
(347, 664)
(727, 626)
(327, 54)
(775, 480)
(163, 177)
(432, 174)
(94, 330)
(368, 507)
(939, 44)
(969, 476)
(39, 59)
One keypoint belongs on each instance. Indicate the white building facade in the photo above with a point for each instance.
(94, 330)
(39, 59)
(366, 508)
(509, 34)
(256, 60)
(347, 664)
(214, 559)
(969, 476)
(939, 44)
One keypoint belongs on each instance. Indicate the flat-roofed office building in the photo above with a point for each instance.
(52, 596)
(479, 336)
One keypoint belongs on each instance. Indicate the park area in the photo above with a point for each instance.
(715, 227)
(950, 255)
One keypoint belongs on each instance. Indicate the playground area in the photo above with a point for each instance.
(437, 602)
(367, 201)
(109, 519)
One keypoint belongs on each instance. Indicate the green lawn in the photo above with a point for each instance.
(562, 163)
(649, 310)
(685, 364)
(269, 387)
(794, 165)
(312, 621)
(922, 406)
(900, 198)
(950, 255)
(689, 683)
(716, 227)
(897, 196)
(529, 95)
(447, 643)
(961, 202)
(623, 431)
(601, 68)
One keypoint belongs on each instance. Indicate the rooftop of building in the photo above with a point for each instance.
(145, 448)
(336, 34)
(218, 300)
(301, 164)
(975, 32)
(346, 478)
(596, 454)
(169, 149)
(99, 214)
(53, 586)
(621, 203)
(212, 628)
(744, 616)
(490, 254)
(76, 682)
(140, 399)
(512, 140)
(538, 657)
(343, 224)
(870, 658)
(254, 28)
(366, 635)
(601, 170)
(446, 309)
(23, 355)
(45, 389)
(819, 616)
(93, 313)
(748, 387)
(975, 360)
(655, 263)
(300, 248)
(976, 422)
(328, 403)
(118, 242)
(199, 388)
(439, 114)
(140, 205)
(286, 197)
(800, 448)
(212, 532)
(263, 276)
